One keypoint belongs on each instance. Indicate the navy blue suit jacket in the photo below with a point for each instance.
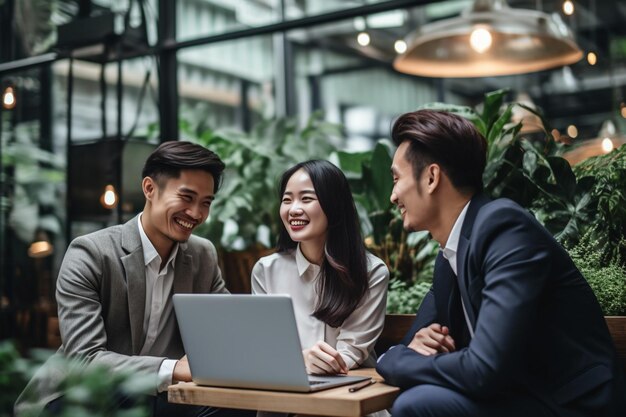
(538, 327)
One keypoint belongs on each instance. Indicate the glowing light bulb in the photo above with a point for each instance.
(363, 39)
(480, 40)
(109, 197)
(400, 46)
(607, 145)
(8, 98)
(592, 58)
(623, 112)
(572, 131)
(568, 7)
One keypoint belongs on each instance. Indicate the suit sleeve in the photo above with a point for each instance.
(80, 312)
(512, 254)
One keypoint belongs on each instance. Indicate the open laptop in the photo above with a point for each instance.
(246, 341)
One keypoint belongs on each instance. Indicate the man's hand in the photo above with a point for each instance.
(432, 339)
(182, 373)
(321, 359)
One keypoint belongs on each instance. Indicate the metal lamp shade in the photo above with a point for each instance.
(522, 41)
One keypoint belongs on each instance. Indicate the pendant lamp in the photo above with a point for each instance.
(489, 39)
(608, 139)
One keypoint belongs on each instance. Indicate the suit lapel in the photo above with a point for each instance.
(135, 269)
(443, 288)
(183, 282)
(475, 205)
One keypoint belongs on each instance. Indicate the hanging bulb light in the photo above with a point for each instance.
(572, 131)
(568, 7)
(592, 58)
(400, 46)
(8, 98)
(489, 39)
(363, 39)
(109, 198)
(607, 145)
(481, 39)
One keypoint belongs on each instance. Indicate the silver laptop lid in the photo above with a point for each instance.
(248, 341)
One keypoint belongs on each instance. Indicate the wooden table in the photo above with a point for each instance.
(331, 402)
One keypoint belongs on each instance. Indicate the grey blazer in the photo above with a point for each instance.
(101, 298)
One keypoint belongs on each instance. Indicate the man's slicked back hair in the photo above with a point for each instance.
(171, 157)
(446, 139)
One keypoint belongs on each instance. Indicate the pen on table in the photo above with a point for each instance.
(362, 385)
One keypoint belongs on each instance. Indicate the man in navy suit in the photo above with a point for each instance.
(510, 327)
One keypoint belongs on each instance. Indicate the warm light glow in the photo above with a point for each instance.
(40, 249)
(623, 111)
(592, 58)
(572, 131)
(109, 197)
(363, 39)
(400, 46)
(607, 145)
(568, 7)
(8, 98)
(480, 40)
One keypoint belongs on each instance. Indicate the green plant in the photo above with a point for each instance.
(607, 280)
(246, 214)
(14, 373)
(403, 298)
(606, 176)
(88, 390)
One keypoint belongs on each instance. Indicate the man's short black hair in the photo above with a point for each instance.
(171, 157)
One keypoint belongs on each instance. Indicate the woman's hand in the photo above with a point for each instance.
(321, 359)
(432, 339)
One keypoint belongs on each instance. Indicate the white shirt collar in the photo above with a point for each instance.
(149, 251)
(303, 263)
(452, 244)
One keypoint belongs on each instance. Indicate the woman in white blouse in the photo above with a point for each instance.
(338, 289)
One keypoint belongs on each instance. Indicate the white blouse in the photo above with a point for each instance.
(291, 273)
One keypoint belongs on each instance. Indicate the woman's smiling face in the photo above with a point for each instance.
(301, 212)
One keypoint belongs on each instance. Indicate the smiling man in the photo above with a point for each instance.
(510, 327)
(115, 286)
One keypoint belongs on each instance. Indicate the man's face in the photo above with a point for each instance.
(407, 193)
(178, 206)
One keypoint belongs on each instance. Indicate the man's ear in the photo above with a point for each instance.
(149, 187)
(433, 177)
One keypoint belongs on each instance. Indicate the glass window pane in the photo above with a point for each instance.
(210, 17)
(227, 84)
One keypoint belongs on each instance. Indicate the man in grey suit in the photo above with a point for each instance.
(115, 286)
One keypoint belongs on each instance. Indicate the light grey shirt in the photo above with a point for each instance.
(291, 273)
(158, 302)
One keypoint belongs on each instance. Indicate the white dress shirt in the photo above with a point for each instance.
(158, 302)
(291, 273)
(449, 252)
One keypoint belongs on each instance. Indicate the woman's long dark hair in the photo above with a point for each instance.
(344, 280)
